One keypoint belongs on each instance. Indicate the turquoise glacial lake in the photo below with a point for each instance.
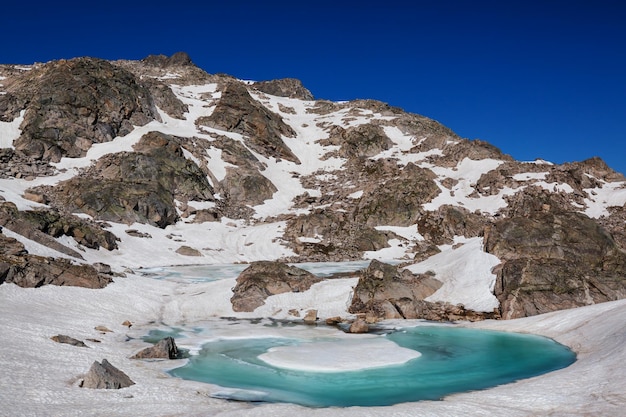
(232, 355)
(452, 360)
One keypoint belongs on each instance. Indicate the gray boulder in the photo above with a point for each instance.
(165, 349)
(105, 376)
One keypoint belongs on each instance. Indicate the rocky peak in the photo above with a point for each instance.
(71, 104)
(284, 87)
(179, 59)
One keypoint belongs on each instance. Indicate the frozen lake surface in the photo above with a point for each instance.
(319, 366)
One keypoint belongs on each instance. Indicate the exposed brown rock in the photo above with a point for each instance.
(68, 340)
(188, 251)
(265, 278)
(310, 317)
(442, 225)
(33, 271)
(553, 261)
(359, 141)
(139, 186)
(65, 109)
(398, 201)
(238, 112)
(359, 326)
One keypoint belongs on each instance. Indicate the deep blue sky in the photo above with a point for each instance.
(538, 79)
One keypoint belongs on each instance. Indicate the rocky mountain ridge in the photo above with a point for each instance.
(106, 155)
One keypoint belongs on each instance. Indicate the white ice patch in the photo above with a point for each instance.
(612, 194)
(466, 275)
(409, 232)
(9, 131)
(339, 356)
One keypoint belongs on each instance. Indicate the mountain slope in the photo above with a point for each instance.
(185, 167)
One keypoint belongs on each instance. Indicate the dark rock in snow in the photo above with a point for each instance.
(165, 349)
(139, 186)
(68, 340)
(238, 112)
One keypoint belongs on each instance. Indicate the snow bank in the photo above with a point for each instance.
(465, 273)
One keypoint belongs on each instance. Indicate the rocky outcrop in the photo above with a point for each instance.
(41, 225)
(246, 187)
(553, 260)
(439, 227)
(238, 112)
(16, 165)
(265, 278)
(10, 246)
(455, 152)
(178, 59)
(105, 376)
(128, 187)
(72, 104)
(164, 349)
(398, 201)
(615, 224)
(386, 292)
(164, 98)
(364, 140)
(31, 271)
(284, 87)
(324, 235)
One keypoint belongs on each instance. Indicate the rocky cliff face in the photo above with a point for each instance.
(239, 171)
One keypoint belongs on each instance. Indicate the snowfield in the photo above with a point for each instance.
(39, 377)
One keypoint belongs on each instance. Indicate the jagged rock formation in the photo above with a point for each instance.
(103, 375)
(238, 112)
(553, 260)
(263, 279)
(285, 87)
(31, 271)
(42, 225)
